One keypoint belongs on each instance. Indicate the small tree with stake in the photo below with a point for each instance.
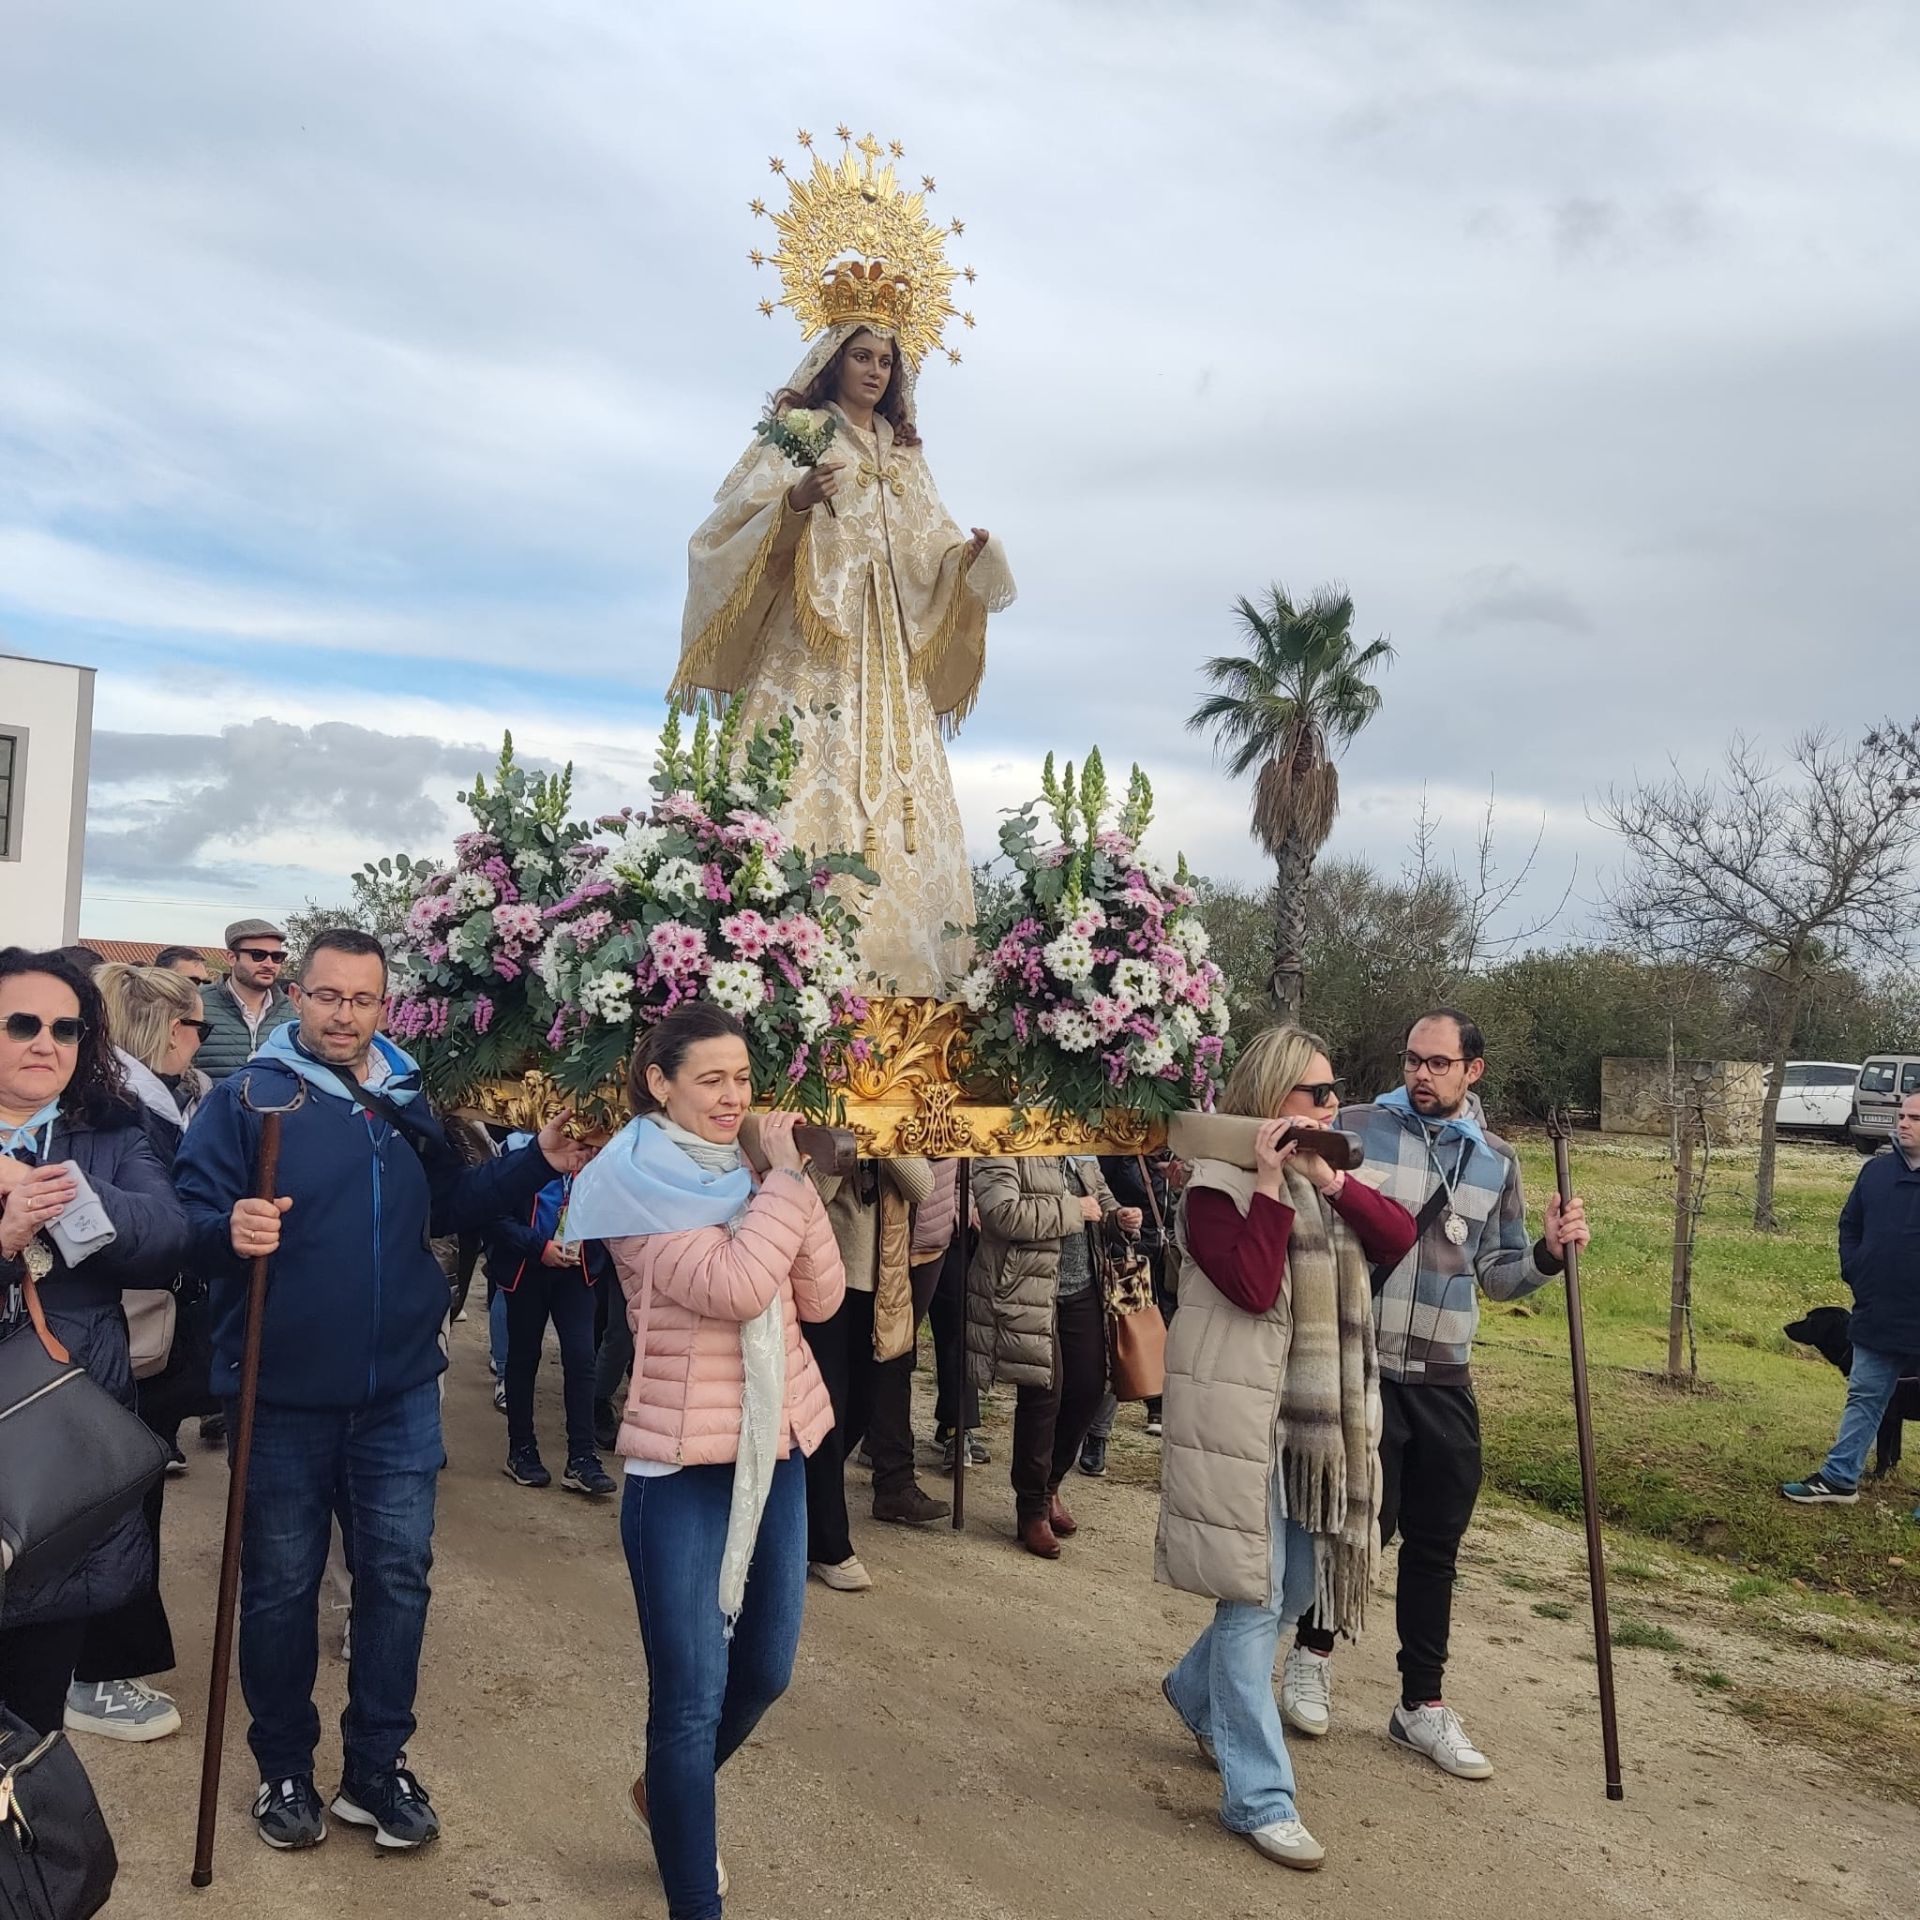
(1776, 872)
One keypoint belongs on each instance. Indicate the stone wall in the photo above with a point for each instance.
(1636, 1096)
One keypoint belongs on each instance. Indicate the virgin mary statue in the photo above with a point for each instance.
(843, 591)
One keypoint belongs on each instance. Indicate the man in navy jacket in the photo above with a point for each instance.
(1880, 1262)
(349, 1402)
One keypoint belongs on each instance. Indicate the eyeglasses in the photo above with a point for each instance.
(201, 1027)
(66, 1031)
(328, 998)
(263, 956)
(1435, 1063)
(1323, 1093)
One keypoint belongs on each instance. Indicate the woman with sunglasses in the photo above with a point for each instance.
(64, 1111)
(1270, 1474)
(154, 1019)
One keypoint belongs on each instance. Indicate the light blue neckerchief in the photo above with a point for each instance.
(641, 1182)
(20, 1139)
(281, 1048)
(1462, 1123)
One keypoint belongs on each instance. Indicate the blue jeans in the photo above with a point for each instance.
(383, 1462)
(1869, 1390)
(706, 1693)
(1223, 1688)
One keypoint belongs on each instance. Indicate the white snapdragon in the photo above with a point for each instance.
(1070, 957)
(737, 985)
(1136, 983)
(1074, 1032)
(815, 1013)
(677, 879)
(607, 996)
(977, 989)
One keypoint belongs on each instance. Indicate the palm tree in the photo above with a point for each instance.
(1287, 707)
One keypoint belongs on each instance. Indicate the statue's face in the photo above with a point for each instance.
(866, 365)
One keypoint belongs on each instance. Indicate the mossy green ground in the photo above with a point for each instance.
(1703, 1467)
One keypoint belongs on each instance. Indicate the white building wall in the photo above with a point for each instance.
(48, 707)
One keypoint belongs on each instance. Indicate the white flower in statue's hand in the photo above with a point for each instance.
(801, 419)
(678, 879)
(608, 996)
(816, 1013)
(737, 985)
(977, 989)
(1074, 1032)
(835, 970)
(1137, 983)
(1070, 957)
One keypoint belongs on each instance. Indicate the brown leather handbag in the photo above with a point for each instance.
(1136, 1334)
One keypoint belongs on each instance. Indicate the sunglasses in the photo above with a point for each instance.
(66, 1031)
(263, 956)
(1323, 1093)
(202, 1027)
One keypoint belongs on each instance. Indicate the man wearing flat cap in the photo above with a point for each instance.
(249, 1003)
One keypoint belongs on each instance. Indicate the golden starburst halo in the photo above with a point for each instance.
(856, 248)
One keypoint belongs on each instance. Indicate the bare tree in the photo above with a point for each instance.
(1775, 872)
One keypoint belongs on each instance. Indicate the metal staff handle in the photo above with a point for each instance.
(1559, 1128)
(266, 1178)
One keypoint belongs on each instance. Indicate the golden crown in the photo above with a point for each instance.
(857, 249)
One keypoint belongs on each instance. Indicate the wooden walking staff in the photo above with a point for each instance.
(963, 1205)
(266, 1178)
(1559, 1128)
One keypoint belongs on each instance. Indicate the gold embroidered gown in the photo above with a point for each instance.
(872, 622)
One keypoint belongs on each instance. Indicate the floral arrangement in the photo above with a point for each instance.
(1093, 987)
(583, 941)
(803, 434)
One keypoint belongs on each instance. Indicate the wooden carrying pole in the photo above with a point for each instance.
(1559, 1128)
(267, 1175)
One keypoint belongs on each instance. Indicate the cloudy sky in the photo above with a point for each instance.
(363, 370)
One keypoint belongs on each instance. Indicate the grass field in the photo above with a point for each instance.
(1701, 1468)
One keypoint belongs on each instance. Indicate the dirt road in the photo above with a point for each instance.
(982, 1737)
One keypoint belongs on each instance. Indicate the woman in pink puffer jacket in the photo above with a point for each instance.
(719, 1264)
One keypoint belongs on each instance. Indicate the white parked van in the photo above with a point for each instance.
(1816, 1097)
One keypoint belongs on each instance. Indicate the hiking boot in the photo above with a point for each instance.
(638, 1813)
(1288, 1842)
(1816, 1490)
(1093, 1456)
(393, 1804)
(910, 1507)
(587, 1475)
(1306, 1691)
(120, 1710)
(523, 1465)
(843, 1576)
(1435, 1730)
(606, 1425)
(287, 1814)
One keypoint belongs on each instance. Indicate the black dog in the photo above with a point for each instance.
(1829, 1332)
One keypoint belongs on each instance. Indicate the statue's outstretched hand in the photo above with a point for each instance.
(978, 543)
(817, 484)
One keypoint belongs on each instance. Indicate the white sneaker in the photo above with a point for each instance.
(1306, 1691)
(1288, 1842)
(1436, 1731)
(843, 1576)
(120, 1710)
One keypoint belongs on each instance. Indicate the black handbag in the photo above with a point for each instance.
(73, 1460)
(56, 1856)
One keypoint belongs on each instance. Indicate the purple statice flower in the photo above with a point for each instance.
(797, 1067)
(794, 978)
(590, 890)
(1116, 1065)
(557, 1033)
(713, 884)
(505, 967)
(472, 848)
(860, 1050)
(482, 1013)
(1022, 1027)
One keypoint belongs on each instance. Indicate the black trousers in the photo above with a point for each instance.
(957, 1403)
(1429, 1480)
(562, 1295)
(872, 1401)
(1049, 1423)
(36, 1668)
(134, 1641)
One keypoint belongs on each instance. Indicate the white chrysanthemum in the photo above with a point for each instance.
(1220, 1014)
(1186, 1024)
(1149, 1056)
(977, 989)
(835, 970)
(737, 985)
(533, 864)
(677, 880)
(470, 890)
(1074, 1032)
(1155, 875)
(815, 1011)
(1087, 919)
(741, 793)
(1137, 983)
(766, 882)
(547, 962)
(1190, 935)
(608, 996)
(1070, 957)
(638, 846)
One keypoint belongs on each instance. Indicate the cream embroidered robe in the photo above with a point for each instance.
(872, 623)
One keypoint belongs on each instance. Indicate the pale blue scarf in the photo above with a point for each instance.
(643, 1181)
